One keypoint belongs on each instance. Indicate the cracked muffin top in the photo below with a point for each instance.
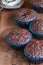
(19, 36)
(25, 14)
(38, 3)
(35, 49)
(37, 26)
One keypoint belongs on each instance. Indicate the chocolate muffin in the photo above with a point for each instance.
(34, 51)
(19, 37)
(36, 28)
(24, 16)
(37, 5)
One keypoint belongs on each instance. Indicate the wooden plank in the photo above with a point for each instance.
(8, 55)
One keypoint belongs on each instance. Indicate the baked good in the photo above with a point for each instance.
(37, 5)
(24, 16)
(36, 28)
(19, 37)
(34, 51)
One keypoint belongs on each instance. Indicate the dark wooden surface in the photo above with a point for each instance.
(8, 55)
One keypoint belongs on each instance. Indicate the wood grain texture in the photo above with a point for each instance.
(8, 55)
(7, 19)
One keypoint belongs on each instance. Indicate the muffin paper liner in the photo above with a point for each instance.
(37, 8)
(31, 59)
(17, 45)
(35, 33)
(22, 23)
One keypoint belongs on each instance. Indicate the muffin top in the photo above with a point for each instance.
(38, 2)
(35, 49)
(19, 36)
(37, 26)
(25, 14)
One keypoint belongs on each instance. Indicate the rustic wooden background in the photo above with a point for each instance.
(8, 55)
